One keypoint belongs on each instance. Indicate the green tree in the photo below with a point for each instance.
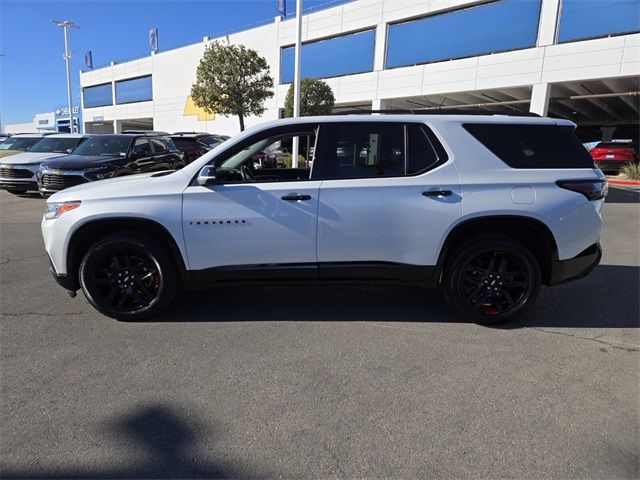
(316, 98)
(232, 80)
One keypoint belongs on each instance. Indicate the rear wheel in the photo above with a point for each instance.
(491, 280)
(128, 277)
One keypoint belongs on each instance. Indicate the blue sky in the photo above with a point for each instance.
(32, 78)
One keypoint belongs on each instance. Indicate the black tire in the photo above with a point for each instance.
(128, 276)
(16, 191)
(491, 280)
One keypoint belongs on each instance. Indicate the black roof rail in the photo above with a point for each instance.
(441, 111)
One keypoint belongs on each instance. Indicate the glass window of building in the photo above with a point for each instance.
(332, 57)
(580, 19)
(134, 90)
(494, 27)
(98, 96)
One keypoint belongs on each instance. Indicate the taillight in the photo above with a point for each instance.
(592, 189)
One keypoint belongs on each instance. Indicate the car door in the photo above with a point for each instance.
(388, 198)
(263, 227)
(143, 159)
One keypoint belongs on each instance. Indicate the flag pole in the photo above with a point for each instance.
(296, 81)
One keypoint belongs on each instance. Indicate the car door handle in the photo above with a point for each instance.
(294, 197)
(437, 193)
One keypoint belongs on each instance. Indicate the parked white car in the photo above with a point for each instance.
(18, 172)
(486, 208)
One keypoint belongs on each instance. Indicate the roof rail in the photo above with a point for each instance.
(441, 111)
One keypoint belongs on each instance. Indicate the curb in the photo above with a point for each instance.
(634, 183)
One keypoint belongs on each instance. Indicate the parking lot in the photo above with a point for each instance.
(322, 382)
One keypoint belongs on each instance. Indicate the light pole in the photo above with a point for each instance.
(296, 80)
(66, 24)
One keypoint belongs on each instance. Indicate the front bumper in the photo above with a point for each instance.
(65, 281)
(18, 184)
(580, 266)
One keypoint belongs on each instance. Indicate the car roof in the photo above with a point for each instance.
(69, 135)
(31, 135)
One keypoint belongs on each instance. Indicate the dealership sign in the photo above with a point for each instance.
(64, 111)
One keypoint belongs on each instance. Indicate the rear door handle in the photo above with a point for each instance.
(437, 193)
(294, 197)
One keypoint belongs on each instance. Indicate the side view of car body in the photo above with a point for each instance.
(485, 207)
(610, 157)
(107, 156)
(18, 172)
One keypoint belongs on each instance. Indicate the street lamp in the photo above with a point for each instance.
(66, 24)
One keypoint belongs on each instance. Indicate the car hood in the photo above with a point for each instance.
(6, 153)
(32, 157)
(80, 162)
(152, 183)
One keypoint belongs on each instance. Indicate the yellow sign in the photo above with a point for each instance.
(190, 108)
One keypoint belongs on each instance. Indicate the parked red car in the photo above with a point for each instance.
(610, 157)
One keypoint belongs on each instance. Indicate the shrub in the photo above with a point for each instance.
(631, 171)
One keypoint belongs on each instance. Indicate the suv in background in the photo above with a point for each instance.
(20, 142)
(610, 157)
(18, 172)
(106, 156)
(486, 208)
(193, 145)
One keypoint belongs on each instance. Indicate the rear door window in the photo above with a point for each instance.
(376, 149)
(532, 146)
(158, 145)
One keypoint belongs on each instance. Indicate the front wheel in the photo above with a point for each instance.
(128, 277)
(491, 280)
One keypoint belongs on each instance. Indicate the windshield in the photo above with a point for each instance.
(103, 145)
(57, 145)
(19, 143)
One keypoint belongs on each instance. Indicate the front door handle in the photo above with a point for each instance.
(437, 193)
(294, 197)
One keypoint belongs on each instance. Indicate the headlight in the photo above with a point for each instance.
(98, 173)
(54, 210)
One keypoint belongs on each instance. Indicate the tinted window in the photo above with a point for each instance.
(377, 150)
(97, 96)
(19, 143)
(104, 145)
(185, 143)
(135, 90)
(495, 27)
(142, 147)
(533, 146)
(589, 19)
(158, 145)
(332, 57)
(57, 145)
(211, 141)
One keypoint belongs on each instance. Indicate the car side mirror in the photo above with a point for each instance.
(207, 176)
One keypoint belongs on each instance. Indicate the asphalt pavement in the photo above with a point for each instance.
(319, 382)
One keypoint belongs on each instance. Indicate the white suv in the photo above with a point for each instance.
(487, 208)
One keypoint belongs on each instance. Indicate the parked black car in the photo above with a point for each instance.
(194, 145)
(106, 156)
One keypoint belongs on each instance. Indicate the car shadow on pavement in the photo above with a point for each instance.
(160, 443)
(607, 298)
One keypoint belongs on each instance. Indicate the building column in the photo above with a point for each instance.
(378, 104)
(380, 47)
(540, 96)
(549, 16)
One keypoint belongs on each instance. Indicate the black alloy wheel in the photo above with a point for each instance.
(128, 277)
(492, 280)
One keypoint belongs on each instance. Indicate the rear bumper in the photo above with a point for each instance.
(574, 268)
(610, 165)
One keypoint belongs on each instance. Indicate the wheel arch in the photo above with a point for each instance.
(88, 233)
(532, 233)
